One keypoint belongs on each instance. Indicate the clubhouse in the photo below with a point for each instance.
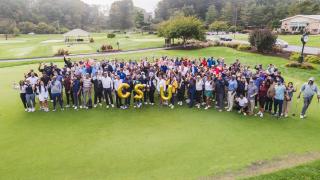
(297, 23)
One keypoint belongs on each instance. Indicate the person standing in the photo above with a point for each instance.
(280, 91)
(262, 96)
(288, 99)
(208, 91)
(87, 86)
(308, 90)
(220, 92)
(30, 96)
(232, 87)
(252, 92)
(107, 84)
(56, 89)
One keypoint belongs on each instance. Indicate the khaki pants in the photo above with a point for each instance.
(230, 100)
(252, 105)
(286, 107)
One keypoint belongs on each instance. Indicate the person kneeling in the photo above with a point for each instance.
(242, 103)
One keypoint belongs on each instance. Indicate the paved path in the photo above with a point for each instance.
(82, 55)
(307, 50)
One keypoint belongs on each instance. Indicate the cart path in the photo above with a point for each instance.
(265, 167)
(84, 55)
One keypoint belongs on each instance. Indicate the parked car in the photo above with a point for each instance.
(225, 38)
(281, 43)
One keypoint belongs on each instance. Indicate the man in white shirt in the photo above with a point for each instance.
(242, 104)
(33, 79)
(107, 84)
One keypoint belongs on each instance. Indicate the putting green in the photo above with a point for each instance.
(147, 143)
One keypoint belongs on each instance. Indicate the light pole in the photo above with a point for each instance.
(304, 40)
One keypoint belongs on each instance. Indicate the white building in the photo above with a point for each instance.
(311, 23)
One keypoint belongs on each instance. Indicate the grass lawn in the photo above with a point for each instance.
(309, 171)
(26, 46)
(149, 143)
(314, 40)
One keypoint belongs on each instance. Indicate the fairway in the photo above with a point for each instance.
(148, 143)
(27, 46)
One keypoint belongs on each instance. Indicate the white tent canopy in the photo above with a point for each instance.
(77, 36)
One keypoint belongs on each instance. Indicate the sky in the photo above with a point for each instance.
(148, 5)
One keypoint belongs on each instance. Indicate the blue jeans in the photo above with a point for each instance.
(57, 97)
(278, 102)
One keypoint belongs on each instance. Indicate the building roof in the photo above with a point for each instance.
(316, 17)
(76, 33)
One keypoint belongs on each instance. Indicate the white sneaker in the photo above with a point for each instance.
(261, 115)
(146, 103)
(206, 108)
(100, 104)
(112, 105)
(95, 106)
(67, 106)
(80, 107)
(107, 107)
(172, 106)
(238, 111)
(33, 110)
(62, 109)
(54, 110)
(75, 108)
(245, 114)
(26, 110)
(301, 116)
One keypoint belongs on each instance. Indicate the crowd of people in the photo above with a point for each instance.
(200, 83)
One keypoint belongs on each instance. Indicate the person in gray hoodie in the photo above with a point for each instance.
(56, 91)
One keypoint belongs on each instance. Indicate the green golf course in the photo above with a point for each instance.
(28, 46)
(152, 142)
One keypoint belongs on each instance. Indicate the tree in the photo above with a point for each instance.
(26, 27)
(139, 19)
(262, 39)
(121, 13)
(181, 27)
(211, 14)
(219, 26)
(8, 26)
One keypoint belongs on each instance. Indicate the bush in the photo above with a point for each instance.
(106, 48)
(62, 52)
(230, 44)
(294, 56)
(300, 65)
(277, 49)
(244, 47)
(91, 40)
(312, 59)
(262, 39)
(111, 35)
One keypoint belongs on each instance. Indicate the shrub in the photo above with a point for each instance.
(106, 48)
(262, 39)
(62, 52)
(312, 59)
(244, 47)
(111, 35)
(277, 49)
(300, 65)
(294, 56)
(91, 40)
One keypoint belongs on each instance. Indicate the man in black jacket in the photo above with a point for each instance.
(98, 90)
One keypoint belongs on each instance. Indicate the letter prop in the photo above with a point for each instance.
(119, 91)
(138, 90)
(163, 97)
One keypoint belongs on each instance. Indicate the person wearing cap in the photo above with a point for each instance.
(220, 92)
(199, 90)
(232, 87)
(308, 90)
(107, 84)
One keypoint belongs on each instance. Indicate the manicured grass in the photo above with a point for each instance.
(149, 143)
(26, 46)
(309, 171)
(314, 40)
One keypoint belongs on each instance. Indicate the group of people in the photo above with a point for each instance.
(201, 83)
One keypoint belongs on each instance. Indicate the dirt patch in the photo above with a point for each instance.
(265, 167)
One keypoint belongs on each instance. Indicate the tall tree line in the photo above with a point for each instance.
(245, 13)
(48, 16)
